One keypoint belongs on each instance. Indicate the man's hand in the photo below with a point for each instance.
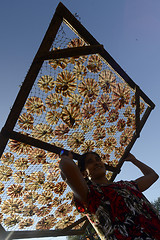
(69, 156)
(64, 157)
(130, 158)
(150, 176)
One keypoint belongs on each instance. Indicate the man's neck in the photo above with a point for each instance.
(103, 180)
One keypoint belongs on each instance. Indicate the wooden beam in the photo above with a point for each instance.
(44, 145)
(71, 52)
(53, 233)
(134, 138)
(137, 115)
(33, 72)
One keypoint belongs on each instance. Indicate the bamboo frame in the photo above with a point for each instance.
(44, 53)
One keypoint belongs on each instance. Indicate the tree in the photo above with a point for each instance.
(156, 204)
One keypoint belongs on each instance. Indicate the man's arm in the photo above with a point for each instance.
(73, 177)
(150, 176)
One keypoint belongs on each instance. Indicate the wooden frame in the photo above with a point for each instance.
(62, 14)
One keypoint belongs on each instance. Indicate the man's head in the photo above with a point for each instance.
(91, 165)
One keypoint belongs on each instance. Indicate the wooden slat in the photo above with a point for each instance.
(137, 115)
(71, 52)
(33, 72)
(48, 233)
(128, 148)
(44, 145)
(68, 231)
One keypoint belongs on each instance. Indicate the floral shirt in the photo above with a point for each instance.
(121, 211)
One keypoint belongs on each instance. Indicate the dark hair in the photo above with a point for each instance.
(81, 161)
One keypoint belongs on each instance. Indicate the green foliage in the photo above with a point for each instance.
(156, 204)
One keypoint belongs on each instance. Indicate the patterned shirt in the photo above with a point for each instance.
(120, 211)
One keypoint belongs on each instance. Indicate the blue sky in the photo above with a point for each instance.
(129, 31)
